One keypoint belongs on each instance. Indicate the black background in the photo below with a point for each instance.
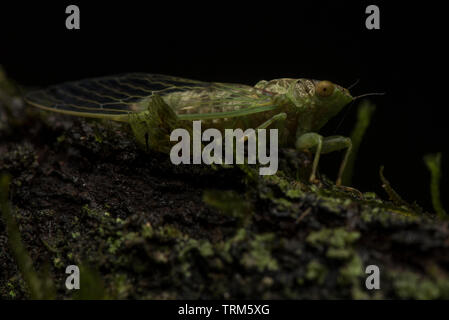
(245, 41)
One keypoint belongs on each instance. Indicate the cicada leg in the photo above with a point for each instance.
(319, 144)
(277, 122)
(277, 119)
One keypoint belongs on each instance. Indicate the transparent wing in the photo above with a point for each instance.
(115, 97)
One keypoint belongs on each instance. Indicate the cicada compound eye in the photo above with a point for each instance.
(324, 88)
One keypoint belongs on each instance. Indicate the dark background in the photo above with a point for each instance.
(247, 41)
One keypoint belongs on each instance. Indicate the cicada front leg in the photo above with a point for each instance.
(318, 144)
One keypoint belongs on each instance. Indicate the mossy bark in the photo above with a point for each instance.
(83, 193)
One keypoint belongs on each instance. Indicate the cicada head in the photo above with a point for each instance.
(317, 101)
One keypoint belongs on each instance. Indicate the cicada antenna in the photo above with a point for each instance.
(352, 103)
(354, 84)
(369, 94)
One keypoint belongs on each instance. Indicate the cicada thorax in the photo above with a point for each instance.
(289, 95)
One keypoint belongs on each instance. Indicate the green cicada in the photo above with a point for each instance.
(154, 105)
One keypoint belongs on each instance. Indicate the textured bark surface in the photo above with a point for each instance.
(83, 193)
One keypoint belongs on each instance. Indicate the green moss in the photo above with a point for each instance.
(230, 203)
(12, 294)
(61, 138)
(294, 193)
(315, 271)
(131, 236)
(58, 263)
(337, 242)
(147, 230)
(122, 287)
(259, 256)
(224, 247)
(12, 290)
(114, 244)
(292, 190)
(339, 253)
(160, 256)
(351, 272)
(408, 285)
(168, 232)
(163, 233)
(203, 247)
